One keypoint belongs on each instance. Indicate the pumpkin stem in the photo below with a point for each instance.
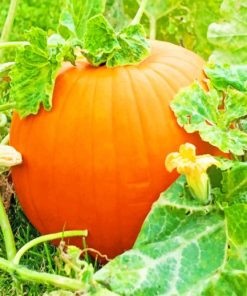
(44, 278)
(139, 13)
(7, 106)
(45, 238)
(9, 22)
(8, 236)
(13, 44)
(152, 32)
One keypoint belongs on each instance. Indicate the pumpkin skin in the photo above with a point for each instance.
(96, 161)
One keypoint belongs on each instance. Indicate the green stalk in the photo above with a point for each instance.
(6, 66)
(13, 44)
(44, 278)
(9, 21)
(46, 238)
(139, 13)
(7, 106)
(7, 232)
(5, 140)
(152, 33)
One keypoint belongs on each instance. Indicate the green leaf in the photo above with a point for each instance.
(236, 216)
(74, 17)
(184, 249)
(33, 76)
(198, 110)
(230, 35)
(223, 76)
(159, 8)
(234, 183)
(226, 283)
(116, 15)
(134, 48)
(243, 124)
(173, 254)
(173, 199)
(103, 46)
(99, 41)
(179, 21)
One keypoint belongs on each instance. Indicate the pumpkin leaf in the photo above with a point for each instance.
(103, 46)
(234, 183)
(133, 47)
(178, 21)
(182, 249)
(223, 76)
(228, 284)
(237, 227)
(99, 41)
(74, 17)
(198, 110)
(116, 15)
(33, 75)
(158, 8)
(230, 35)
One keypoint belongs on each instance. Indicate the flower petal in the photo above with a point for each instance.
(172, 161)
(9, 156)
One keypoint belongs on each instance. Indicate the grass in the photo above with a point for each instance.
(40, 258)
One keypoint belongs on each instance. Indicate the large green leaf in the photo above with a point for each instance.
(237, 228)
(115, 13)
(223, 76)
(33, 76)
(234, 183)
(200, 110)
(102, 45)
(99, 40)
(134, 47)
(173, 253)
(184, 248)
(74, 17)
(229, 36)
(179, 21)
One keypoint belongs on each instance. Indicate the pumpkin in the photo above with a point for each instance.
(96, 161)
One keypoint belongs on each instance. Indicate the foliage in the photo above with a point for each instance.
(31, 13)
(41, 259)
(186, 248)
(230, 35)
(215, 113)
(73, 19)
(38, 62)
(36, 69)
(178, 21)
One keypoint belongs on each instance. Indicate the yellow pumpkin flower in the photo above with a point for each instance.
(193, 167)
(9, 156)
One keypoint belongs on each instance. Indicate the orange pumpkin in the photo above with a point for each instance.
(96, 161)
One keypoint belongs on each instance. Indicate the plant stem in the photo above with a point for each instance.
(13, 44)
(139, 13)
(5, 140)
(152, 23)
(9, 21)
(46, 238)
(7, 232)
(25, 274)
(6, 66)
(7, 106)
